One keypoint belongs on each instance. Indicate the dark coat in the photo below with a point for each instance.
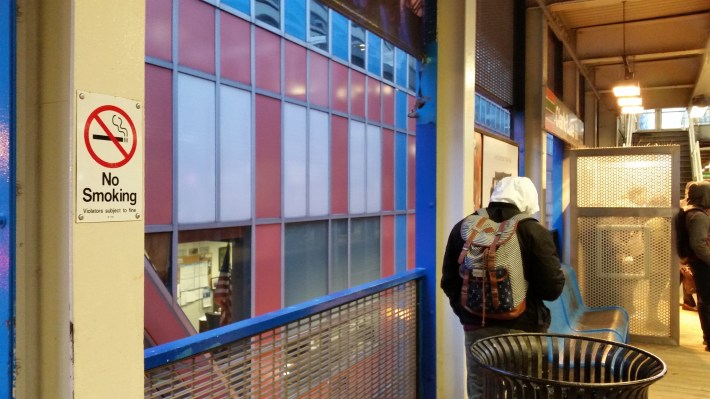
(540, 262)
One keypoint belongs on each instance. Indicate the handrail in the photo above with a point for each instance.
(190, 346)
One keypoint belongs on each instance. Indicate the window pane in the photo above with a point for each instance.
(374, 169)
(158, 251)
(365, 250)
(388, 61)
(239, 5)
(208, 259)
(296, 18)
(401, 65)
(647, 120)
(674, 118)
(294, 158)
(318, 164)
(340, 36)
(356, 161)
(269, 12)
(306, 262)
(374, 54)
(412, 73)
(357, 45)
(400, 243)
(400, 171)
(235, 146)
(339, 251)
(196, 149)
(319, 26)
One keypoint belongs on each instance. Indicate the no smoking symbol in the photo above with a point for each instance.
(110, 136)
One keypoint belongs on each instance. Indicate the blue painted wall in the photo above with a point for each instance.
(7, 263)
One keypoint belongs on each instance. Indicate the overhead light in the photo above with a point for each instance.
(632, 109)
(627, 88)
(627, 101)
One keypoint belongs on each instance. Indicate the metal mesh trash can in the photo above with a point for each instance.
(563, 366)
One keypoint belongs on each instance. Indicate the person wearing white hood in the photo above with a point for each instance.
(541, 264)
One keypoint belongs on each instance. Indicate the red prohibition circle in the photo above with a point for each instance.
(94, 116)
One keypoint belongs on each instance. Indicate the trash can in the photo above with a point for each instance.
(563, 366)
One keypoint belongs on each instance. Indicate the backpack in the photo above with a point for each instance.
(682, 242)
(491, 266)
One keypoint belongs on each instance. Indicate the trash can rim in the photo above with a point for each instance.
(642, 381)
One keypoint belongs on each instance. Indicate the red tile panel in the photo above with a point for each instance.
(387, 235)
(318, 88)
(339, 166)
(235, 48)
(374, 100)
(411, 242)
(267, 269)
(339, 86)
(196, 35)
(158, 145)
(357, 93)
(411, 172)
(387, 170)
(411, 122)
(268, 157)
(267, 54)
(159, 29)
(295, 70)
(387, 104)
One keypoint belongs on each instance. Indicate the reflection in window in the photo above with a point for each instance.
(319, 26)
(214, 276)
(412, 81)
(158, 251)
(339, 255)
(357, 45)
(374, 54)
(305, 261)
(647, 120)
(295, 19)
(240, 5)
(268, 12)
(364, 250)
(388, 61)
(339, 26)
(674, 118)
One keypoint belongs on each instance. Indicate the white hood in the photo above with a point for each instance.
(519, 191)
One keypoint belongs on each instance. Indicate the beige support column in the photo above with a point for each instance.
(456, 63)
(86, 327)
(535, 86)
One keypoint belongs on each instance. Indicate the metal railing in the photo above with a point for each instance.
(361, 343)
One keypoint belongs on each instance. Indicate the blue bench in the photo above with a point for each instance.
(571, 316)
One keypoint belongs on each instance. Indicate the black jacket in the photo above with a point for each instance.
(540, 262)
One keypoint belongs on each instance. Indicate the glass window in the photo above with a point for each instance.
(357, 45)
(674, 118)
(356, 167)
(400, 243)
(296, 18)
(401, 65)
(318, 163)
(374, 54)
(158, 251)
(294, 160)
(412, 76)
(214, 276)
(647, 120)
(388, 61)
(339, 255)
(239, 5)
(306, 261)
(374, 169)
(196, 149)
(340, 36)
(319, 25)
(235, 158)
(268, 12)
(365, 250)
(400, 171)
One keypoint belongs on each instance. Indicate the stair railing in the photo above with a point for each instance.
(695, 162)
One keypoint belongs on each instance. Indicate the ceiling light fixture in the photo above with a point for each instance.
(628, 91)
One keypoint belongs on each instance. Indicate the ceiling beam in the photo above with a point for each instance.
(575, 5)
(666, 55)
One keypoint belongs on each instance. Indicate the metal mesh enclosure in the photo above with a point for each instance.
(494, 48)
(362, 349)
(623, 201)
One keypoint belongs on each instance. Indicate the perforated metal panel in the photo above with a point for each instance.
(623, 201)
(362, 349)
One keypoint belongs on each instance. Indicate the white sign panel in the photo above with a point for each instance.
(109, 158)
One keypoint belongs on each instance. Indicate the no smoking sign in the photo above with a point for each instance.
(109, 158)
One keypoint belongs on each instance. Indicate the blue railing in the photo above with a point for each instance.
(361, 342)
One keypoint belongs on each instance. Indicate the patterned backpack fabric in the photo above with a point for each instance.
(491, 266)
